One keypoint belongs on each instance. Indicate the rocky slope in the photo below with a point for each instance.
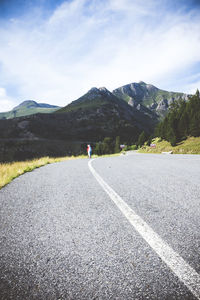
(102, 106)
(157, 100)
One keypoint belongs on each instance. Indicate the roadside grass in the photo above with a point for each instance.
(9, 171)
(190, 146)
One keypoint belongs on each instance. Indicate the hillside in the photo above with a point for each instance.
(94, 98)
(189, 146)
(28, 107)
(99, 97)
(157, 100)
(182, 120)
(91, 118)
(108, 111)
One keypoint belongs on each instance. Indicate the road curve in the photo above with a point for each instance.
(62, 237)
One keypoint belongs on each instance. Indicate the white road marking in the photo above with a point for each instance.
(173, 260)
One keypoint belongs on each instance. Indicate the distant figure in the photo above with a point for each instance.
(89, 151)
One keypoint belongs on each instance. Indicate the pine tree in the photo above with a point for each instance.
(195, 126)
(141, 139)
(97, 149)
(117, 144)
(183, 126)
(182, 120)
(149, 140)
(172, 137)
(107, 146)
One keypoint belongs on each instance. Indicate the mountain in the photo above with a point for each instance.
(157, 100)
(28, 107)
(89, 119)
(96, 98)
(112, 113)
(125, 112)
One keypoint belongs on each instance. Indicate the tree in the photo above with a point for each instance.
(182, 120)
(149, 140)
(141, 139)
(183, 125)
(172, 137)
(117, 144)
(107, 146)
(195, 126)
(97, 149)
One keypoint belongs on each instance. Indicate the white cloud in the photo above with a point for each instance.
(191, 88)
(97, 43)
(6, 103)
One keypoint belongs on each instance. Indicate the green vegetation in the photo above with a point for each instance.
(182, 120)
(117, 144)
(132, 147)
(142, 138)
(27, 108)
(87, 104)
(108, 146)
(189, 146)
(13, 150)
(91, 118)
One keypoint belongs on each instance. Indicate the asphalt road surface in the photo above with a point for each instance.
(124, 227)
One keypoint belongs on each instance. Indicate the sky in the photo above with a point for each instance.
(54, 51)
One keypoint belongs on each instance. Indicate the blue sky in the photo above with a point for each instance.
(55, 51)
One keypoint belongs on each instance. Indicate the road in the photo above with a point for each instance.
(66, 235)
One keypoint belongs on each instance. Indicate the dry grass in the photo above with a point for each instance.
(9, 171)
(190, 146)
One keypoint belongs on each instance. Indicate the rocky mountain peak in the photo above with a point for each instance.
(98, 92)
(104, 89)
(149, 96)
(93, 90)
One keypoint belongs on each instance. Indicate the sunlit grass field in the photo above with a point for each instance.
(9, 171)
(190, 146)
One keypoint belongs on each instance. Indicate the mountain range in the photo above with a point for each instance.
(28, 107)
(125, 112)
(144, 97)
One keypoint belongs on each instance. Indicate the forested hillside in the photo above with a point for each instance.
(182, 120)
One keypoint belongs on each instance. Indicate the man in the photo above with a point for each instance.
(89, 150)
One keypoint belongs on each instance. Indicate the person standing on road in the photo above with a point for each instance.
(89, 151)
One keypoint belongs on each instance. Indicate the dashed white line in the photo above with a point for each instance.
(173, 260)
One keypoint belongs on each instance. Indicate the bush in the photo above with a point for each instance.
(132, 147)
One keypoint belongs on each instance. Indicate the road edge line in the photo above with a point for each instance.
(173, 260)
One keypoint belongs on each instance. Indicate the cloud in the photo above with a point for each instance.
(6, 103)
(97, 43)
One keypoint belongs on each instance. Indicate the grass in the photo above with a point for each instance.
(24, 111)
(190, 146)
(9, 171)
